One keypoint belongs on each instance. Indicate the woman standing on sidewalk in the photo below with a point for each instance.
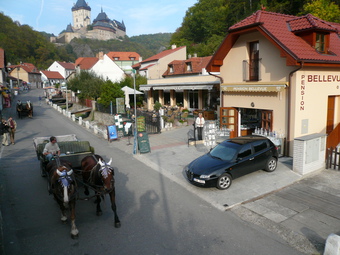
(200, 124)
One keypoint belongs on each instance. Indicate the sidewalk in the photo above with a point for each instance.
(303, 210)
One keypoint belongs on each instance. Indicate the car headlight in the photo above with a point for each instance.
(204, 176)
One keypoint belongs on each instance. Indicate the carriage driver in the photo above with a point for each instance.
(51, 149)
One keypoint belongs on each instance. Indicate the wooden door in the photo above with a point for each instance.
(330, 114)
(229, 119)
(267, 120)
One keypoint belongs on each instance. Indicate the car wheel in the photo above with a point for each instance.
(271, 165)
(224, 181)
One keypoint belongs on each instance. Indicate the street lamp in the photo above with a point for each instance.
(65, 85)
(132, 72)
(135, 106)
(18, 69)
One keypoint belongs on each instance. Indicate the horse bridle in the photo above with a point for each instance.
(65, 178)
(101, 173)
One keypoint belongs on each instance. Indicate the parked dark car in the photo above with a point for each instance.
(231, 159)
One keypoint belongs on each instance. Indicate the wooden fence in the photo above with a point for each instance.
(333, 158)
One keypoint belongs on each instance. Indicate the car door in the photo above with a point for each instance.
(261, 154)
(244, 162)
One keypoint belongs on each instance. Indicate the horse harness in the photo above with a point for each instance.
(65, 179)
(103, 171)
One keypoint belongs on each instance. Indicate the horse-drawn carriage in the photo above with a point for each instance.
(24, 109)
(77, 166)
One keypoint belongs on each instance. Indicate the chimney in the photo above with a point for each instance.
(100, 55)
(189, 56)
(173, 46)
(195, 55)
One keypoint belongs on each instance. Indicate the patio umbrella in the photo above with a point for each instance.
(129, 91)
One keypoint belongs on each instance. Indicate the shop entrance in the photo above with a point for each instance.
(245, 121)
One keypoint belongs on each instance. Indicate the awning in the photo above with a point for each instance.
(254, 88)
(179, 87)
(144, 88)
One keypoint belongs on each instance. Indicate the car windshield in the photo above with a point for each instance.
(223, 152)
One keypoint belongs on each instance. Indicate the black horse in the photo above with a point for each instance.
(63, 187)
(99, 175)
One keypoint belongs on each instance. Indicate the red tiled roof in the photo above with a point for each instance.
(309, 22)
(123, 56)
(28, 67)
(86, 63)
(284, 31)
(69, 66)
(281, 28)
(52, 75)
(180, 66)
(162, 54)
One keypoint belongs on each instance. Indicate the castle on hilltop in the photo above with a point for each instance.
(102, 27)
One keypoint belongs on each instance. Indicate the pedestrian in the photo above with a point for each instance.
(5, 136)
(12, 128)
(40, 98)
(51, 149)
(200, 124)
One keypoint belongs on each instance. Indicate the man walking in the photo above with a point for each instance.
(12, 128)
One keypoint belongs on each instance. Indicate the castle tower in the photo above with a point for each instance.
(81, 13)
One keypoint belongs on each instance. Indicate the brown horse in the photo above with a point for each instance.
(29, 109)
(63, 187)
(100, 176)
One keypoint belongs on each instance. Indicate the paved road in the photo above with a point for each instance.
(158, 215)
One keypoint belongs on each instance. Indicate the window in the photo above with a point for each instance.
(132, 58)
(189, 67)
(320, 43)
(245, 151)
(260, 145)
(116, 58)
(254, 58)
(171, 69)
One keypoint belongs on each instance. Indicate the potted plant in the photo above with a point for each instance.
(157, 106)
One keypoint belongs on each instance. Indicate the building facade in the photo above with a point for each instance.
(65, 69)
(280, 76)
(27, 73)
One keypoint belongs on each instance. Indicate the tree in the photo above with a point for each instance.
(88, 83)
(110, 91)
(323, 9)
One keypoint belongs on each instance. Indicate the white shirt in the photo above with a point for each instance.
(200, 122)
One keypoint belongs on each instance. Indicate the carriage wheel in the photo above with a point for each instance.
(42, 169)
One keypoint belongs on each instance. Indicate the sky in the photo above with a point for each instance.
(140, 17)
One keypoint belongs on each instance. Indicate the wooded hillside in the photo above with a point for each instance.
(206, 23)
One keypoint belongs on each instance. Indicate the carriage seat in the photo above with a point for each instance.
(72, 151)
